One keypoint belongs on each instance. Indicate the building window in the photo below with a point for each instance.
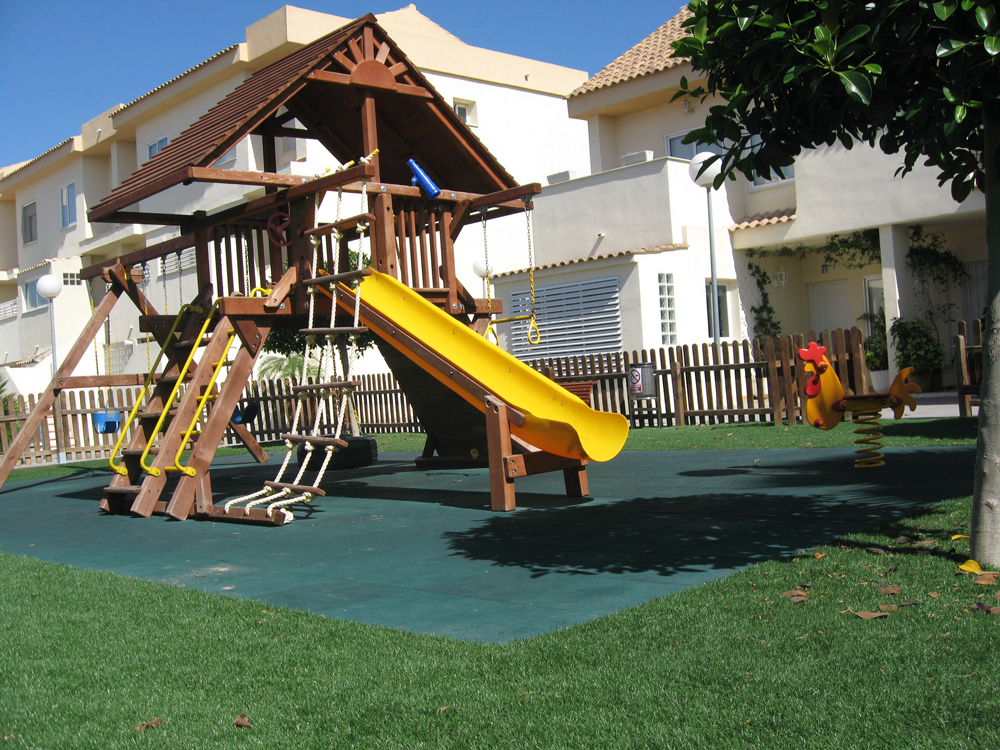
(771, 178)
(71, 279)
(723, 309)
(680, 150)
(152, 149)
(668, 310)
(466, 110)
(29, 223)
(67, 205)
(32, 299)
(580, 318)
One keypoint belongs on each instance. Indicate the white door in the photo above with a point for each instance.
(830, 305)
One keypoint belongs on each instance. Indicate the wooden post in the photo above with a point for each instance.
(203, 263)
(498, 446)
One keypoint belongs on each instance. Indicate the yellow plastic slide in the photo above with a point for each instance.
(555, 420)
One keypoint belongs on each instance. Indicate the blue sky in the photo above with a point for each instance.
(63, 63)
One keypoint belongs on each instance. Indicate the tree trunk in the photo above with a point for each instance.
(985, 541)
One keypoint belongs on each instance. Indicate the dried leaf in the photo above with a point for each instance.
(908, 602)
(794, 592)
(819, 555)
(242, 720)
(876, 550)
(889, 590)
(970, 566)
(443, 709)
(959, 536)
(884, 580)
(902, 539)
(797, 599)
(893, 569)
(803, 445)
(933, 594)
(153, 723)
(980, 607)
(871, 615)
(995, 610)
(927, 543)
(986, 579)
(888, 607)
(868, 566)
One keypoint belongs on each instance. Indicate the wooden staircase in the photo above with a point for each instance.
(152, 453)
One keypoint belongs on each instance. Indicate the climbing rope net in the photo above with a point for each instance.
(340, 389)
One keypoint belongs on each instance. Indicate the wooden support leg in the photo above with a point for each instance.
(576, 481)
(499, 445)
(203, 491)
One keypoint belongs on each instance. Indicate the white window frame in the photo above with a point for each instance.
(34, 224)
(67, 205)
(765, 183)
(30, 297)
(471, 114)
(71, 279)
(722, 287)
(163, 139)
(696, 146)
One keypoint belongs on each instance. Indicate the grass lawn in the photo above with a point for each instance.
(87, 656)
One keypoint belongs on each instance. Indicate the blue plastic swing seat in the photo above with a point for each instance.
(106, 422)
(246, 415)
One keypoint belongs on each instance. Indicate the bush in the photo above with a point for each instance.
(876, 347)
(916, 346)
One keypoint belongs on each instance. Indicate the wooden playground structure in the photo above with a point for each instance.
(268, 264)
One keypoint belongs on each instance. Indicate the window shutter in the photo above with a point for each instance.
(578, 318)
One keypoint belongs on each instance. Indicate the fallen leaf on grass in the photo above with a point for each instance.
(970, 566)
(819, 555)
(889, 590)
(933, 594)
(798, 599)
(927, 543)
(803, 445)
(959, 536)
(995, 610)
(796, 592)
(876, 550)
(151, 724)
(980, 607)
(908, 602)
(889, 607)
(443, 709)
(901, 539)
(986, 579)
(242, 720)
(871, 615)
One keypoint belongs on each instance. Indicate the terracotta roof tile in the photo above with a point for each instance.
(577, 261)
(762, 220)
(651, 55)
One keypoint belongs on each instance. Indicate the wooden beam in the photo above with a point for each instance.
(409, 191)
(327, 182)
(138, 257)
(499, 447)
(142, 217)
(340, 79)
(98, 381)
(233, 177)
(29, 428)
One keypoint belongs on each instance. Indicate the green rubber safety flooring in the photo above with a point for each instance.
(421, 551)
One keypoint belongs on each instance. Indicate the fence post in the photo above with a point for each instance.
(675, 375)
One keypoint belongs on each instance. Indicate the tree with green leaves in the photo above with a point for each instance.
(910, 76)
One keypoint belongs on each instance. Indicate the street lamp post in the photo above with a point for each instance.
(49, 286)
(706, 180)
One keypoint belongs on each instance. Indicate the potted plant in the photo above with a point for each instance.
(877, 351)
(917, 347)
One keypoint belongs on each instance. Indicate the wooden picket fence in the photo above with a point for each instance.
(745, 381)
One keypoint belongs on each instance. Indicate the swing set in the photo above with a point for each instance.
(534, 335)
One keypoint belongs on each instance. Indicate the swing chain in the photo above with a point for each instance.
(486, 257)
(163, 278)
(180, 282)
(534, 335)
(145, 311)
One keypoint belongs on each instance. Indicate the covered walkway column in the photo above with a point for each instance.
(897, 280)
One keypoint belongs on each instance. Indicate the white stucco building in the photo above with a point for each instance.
(516, 106)
(636, 226)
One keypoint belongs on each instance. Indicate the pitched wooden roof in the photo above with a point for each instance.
(323, 85)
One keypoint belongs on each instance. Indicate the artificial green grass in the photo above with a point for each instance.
(84, 656)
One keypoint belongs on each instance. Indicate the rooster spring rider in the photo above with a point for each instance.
(826, 403)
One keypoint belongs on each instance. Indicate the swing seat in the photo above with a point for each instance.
(246, 415)
(106, 422)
